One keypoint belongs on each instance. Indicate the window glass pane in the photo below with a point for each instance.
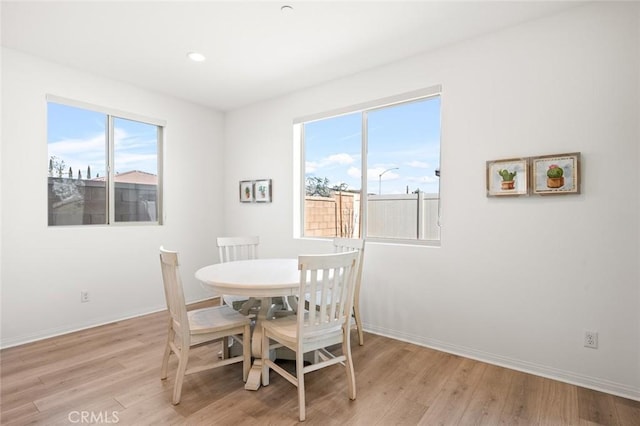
(76, 140)
(403, 156)
(332, 171)
(136, 171)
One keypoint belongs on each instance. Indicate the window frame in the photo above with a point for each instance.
(110, 114)
(362, 108)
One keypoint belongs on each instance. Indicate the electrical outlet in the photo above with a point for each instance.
(591, 339)
(84, 296)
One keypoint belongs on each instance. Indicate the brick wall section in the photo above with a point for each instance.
(319, 217)
(329, 217)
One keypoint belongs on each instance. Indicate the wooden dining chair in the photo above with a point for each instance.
(327, 281)
(197, 327)
(231, 249)
(348, 244)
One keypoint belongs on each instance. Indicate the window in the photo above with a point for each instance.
(373, 170)
(103, 166)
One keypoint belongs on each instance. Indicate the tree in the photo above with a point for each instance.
(70, 173)
(341, 187)
(56, 165)
(88, 172)
(79, 175)
(318, 186)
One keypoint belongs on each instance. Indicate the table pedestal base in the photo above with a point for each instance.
(254, 380)
(255, 376)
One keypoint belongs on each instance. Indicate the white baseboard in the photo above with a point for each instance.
(594, 383)
(71, 328)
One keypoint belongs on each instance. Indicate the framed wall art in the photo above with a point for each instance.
(246, 191)
(556, 174)
(262, 190)
(509, 177)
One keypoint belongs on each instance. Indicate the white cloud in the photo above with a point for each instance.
(341, 159)
(417, 164)
(80, 154)
(66, 147)
(354, 172)
(310, 167)
(374, 174)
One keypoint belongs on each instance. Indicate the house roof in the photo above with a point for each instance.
(134, 176)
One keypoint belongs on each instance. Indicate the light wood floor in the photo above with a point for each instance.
(111, 375)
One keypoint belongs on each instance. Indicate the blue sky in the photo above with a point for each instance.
(404, 138)
(77, 136)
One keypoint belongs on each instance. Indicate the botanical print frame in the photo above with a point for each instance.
(508, 177)
(262, 191)
(246, 191)
(556, 174)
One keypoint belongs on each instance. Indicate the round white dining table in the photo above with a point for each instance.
(258, 278)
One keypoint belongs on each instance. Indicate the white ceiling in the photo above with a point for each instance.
(254, 51)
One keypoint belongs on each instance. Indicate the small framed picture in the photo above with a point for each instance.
(246, 191)
(262, 190)
(508, 177)
(556, 174)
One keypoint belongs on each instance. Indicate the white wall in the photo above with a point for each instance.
(516, 281)
(1, 138)
(45, 268)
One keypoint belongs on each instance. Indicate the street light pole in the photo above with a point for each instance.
(380, 179)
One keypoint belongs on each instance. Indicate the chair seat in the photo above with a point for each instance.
(284, 327)
(285, 331)
(224, 317)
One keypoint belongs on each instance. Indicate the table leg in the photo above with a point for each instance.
(255, 374)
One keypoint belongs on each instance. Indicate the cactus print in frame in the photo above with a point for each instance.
(556, 174)
(508, 177)
(246, 191)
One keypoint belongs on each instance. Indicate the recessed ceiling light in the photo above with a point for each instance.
(196, 57)
(286, 9)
